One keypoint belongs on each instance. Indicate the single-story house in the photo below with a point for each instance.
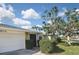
(13, 38)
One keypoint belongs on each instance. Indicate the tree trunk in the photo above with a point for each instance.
(68, 40)
(49, 37)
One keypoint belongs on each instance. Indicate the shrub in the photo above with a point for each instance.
(46, 46)
(58, 39)
(54, 42)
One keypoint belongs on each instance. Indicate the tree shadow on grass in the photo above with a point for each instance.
(75, 44)
(58, 50)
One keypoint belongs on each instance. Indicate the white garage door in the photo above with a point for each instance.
(11, 41)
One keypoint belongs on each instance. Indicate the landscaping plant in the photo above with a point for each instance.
(46, 46)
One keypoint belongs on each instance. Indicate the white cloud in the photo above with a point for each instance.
(77, 10)
(19, 21)
(26, 27)
(3, 5)
(49, 22)
(10, 8)
(4, 12)
(7, 11)
(30, 13)
(0, 22)
(61, 13)
(64, 9)
(39, 26)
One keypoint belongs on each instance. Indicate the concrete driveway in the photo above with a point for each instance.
(23, 52)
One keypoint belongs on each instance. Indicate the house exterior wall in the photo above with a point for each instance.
(27, 36)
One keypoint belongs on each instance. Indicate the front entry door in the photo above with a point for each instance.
(33, 39)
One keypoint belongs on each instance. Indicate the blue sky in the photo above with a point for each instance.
(20, 12)
(39, 8)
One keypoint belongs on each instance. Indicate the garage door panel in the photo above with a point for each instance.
(12, 41)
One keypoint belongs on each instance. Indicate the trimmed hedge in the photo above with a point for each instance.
(47, 46)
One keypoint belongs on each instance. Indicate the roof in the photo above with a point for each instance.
(17, 28)
(12, 27)
(4, 25)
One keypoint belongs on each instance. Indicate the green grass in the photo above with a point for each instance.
(67, 50)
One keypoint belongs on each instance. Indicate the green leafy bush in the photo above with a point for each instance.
(58, 39)
(46, 46)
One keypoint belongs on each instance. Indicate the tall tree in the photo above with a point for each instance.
(72, 22)
(56, 24)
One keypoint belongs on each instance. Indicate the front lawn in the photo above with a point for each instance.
(63, 49)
